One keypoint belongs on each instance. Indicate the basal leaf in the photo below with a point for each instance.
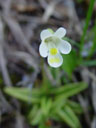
(22, 94)
(33, 112)
(68, 116)
(37, 118)
(76, 107)
(70, 90)
(68, 87)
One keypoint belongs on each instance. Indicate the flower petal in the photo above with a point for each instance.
(55, 61)
(65, 47)
(45, 34)
(61, 32)
(43, 50)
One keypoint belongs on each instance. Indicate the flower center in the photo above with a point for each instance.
(53, 51)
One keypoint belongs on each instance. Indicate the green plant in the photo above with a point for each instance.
(51, 103)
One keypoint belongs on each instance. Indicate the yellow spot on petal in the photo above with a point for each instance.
(53, 51)
(54, 60)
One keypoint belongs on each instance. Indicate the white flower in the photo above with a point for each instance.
(52, 45)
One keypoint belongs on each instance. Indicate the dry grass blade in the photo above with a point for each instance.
(93, 124)
(49, 11)
(49, 75)
(18, 34)
(26, 58)
(84, 103)
(73, 16)
(2, 59)
(19, 121)
(4, 105)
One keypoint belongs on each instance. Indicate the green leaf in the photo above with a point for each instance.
(57, 105)
(33, 112)
(89, 63)
(26, 91)
(88, 17)
(93, 48)
(76, 107)
(43, 105)
(54, 116)
(23, 94)
(70, 90)
(43, 126)
(80, 1)
(68, 116)
(70, 62)
(68, 87)
(37, 118)
(46, 105)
